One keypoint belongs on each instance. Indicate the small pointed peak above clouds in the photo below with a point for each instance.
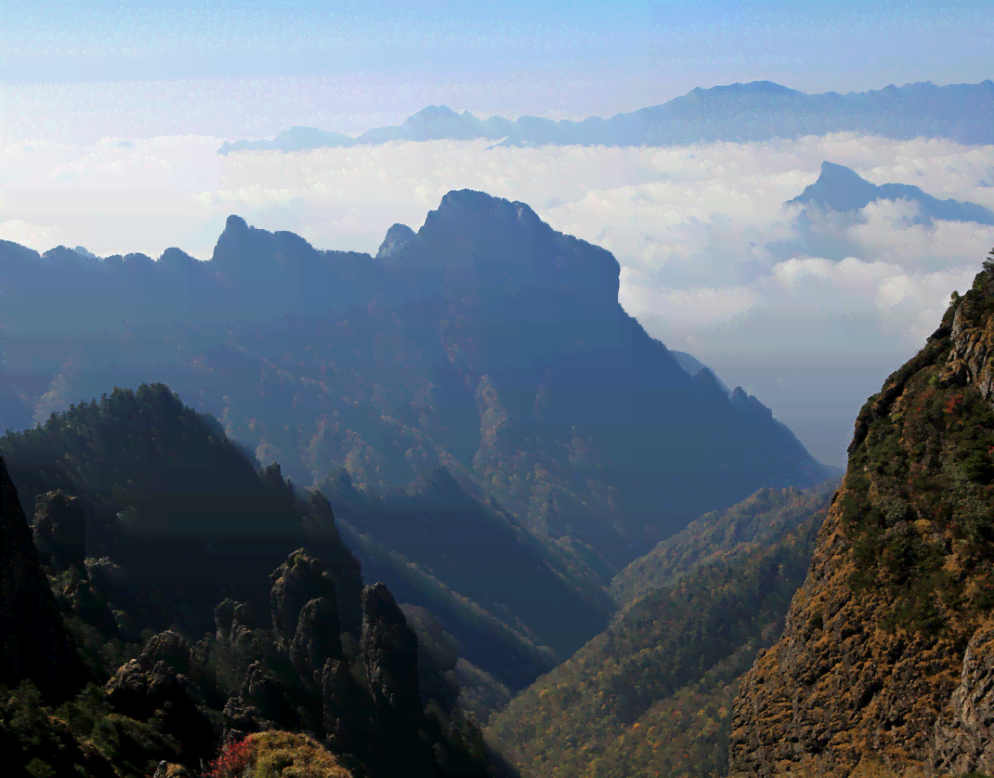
(839, 188)
(432, 112)
(439, 121)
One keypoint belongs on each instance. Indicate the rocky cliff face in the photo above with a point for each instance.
(963, 733)
(885, 663)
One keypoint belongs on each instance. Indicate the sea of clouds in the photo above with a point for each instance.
(808, 311)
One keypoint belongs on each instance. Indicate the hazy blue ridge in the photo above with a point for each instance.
(759, 110)
(840, 189)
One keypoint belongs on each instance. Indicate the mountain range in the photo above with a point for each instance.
(518, 537)
(476, 381)
(756, 111)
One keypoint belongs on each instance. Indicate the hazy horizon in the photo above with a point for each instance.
(112, 120)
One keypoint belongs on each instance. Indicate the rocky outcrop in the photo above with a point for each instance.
(235, 624)
(885, 663)
(259, 705)
(340, 564)
(59, 530)
(389, 649)
(342, 702)
(34, 642)
(964, 733)
(305, 614)
(157, 686)
(389, 652)
(316, 639)
(295, 583)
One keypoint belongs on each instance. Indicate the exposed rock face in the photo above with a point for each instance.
(340, 563)
(341, 702)
(235, 623)
(157, 685)
(59, 530)
(964, 735)
(168, 647)
(34, 642)
(305, 613)
(389, 652)
(259, 705)
(296, 582)
(316, 639)
(884, 667)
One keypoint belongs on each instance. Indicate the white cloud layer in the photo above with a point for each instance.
(810, 312)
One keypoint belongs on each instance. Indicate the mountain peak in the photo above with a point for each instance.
(470, 208)
(236, 224)
(433, 111)
(398, 236)
(839, 188)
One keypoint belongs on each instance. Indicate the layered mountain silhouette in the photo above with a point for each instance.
(840, 189)
(475, 383)
(759, 110)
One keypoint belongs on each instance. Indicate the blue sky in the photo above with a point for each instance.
(574, 59)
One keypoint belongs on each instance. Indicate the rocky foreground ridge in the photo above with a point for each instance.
(886, 663)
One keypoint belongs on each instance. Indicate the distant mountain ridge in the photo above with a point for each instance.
(756, 111)
(840, 189)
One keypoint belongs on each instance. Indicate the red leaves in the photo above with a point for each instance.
(232, 761)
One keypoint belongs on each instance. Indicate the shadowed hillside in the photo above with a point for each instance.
(477, 381)
(174, 570)
(652, 694)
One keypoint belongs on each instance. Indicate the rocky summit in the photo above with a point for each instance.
(884, 666)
